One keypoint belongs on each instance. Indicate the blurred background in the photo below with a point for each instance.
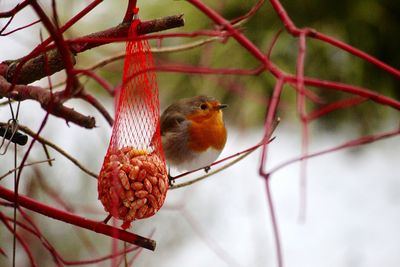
(353, 202)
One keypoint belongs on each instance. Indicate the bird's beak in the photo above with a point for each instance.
(221, 106)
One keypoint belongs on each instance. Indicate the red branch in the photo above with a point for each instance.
(20, 70)
(301, 110)
(20, 240)
(15, 10)
(30, 68)
(129, 11)
(253, 49)
(59, 260)
(63, 49)
(50, 102)
(95, 226)
(19, 28)
(120, 33)
(42, 62)
(356, 142)
(295, 31)
(341, 104)
(240, 37)
(272, 108)
(355, 90)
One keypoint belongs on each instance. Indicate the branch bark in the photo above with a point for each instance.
(50, 102)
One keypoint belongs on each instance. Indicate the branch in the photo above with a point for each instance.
(95, 103)
(19, 28)
(129, 11)
(295, 31)
(50, 102)
(15, 10)
(351, 89)
(96, 39)
(22, 241)
(198, 179)
(341, 104)
(239, 37)
(46, 64)
(25, 165)
(55, 147)
(34, 70)
(154, 50)
(95, 226)
(63, 50)
(352, 143)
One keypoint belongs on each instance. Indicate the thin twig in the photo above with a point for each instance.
(198, 179)
(28, 164)
(155, 50)
(46, 151)
(51, 102)
(15, 10)
(57, 148)
(241, 155)
(7, 102)
(21, 240)
(352, 143)
(20, 28)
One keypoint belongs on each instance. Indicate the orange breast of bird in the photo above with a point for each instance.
(207, 132)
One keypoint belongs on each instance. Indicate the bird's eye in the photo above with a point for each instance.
(203, 106)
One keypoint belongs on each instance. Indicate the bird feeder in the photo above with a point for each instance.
(133, 180)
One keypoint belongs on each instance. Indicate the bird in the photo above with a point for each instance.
(193, 132)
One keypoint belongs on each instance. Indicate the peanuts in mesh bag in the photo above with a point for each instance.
(132, 184)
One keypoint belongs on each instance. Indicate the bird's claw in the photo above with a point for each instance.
(105, 221)
(171, 180)
(207, 169)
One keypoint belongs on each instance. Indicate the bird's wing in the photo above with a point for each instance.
(171, 121)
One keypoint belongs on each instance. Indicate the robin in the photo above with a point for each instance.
(193, 132)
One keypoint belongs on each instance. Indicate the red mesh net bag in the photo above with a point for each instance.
(133, 181)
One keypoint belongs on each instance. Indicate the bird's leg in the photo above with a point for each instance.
(105, 221)
(171, 179)
(207, 169)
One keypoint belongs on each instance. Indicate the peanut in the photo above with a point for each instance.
(152, 201)
(142, 175)
(141, 194)
(149, 167)
(113, 158)
(141, 212)
(162, 186)
(130, 195)
(136, 162)
(136, 186)
(150, 211)
(124, 179)
(147, 185)
(131, 215)
(137, 204)
(134, 173)
(126, 167)
(153, 180)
